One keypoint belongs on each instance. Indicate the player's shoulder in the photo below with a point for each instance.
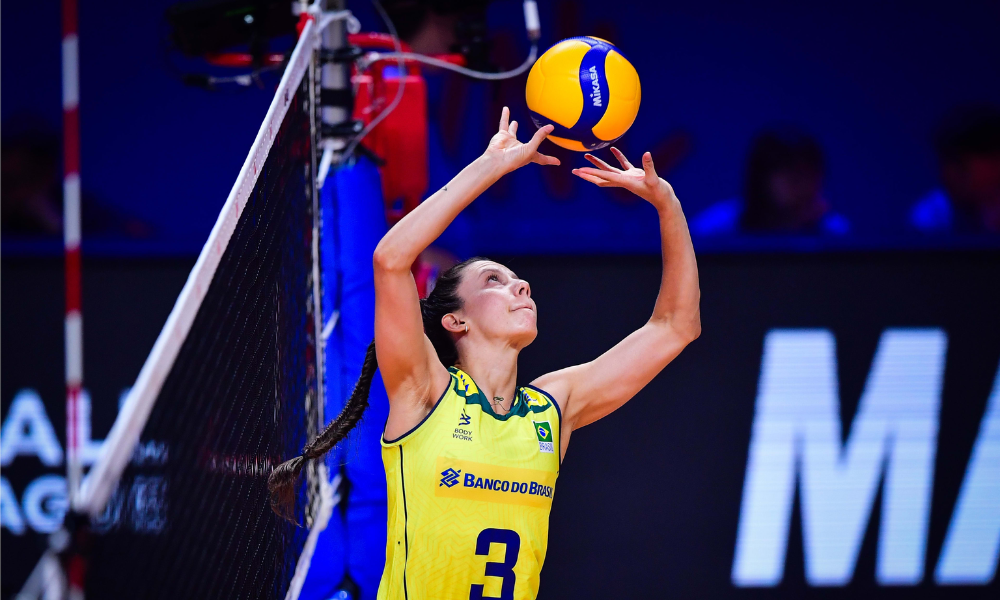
(554, 386)
(535, 397)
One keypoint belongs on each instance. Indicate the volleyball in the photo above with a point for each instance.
(585, 88)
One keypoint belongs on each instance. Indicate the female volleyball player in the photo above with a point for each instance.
(471, 459)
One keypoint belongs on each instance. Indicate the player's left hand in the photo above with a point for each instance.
(511, 154)
(642, 182)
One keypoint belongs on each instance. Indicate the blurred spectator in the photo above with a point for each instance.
(30, 184)
(968, 148)
(440, 26)
(782, 192)
(31, 188)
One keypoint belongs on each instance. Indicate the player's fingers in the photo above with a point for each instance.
(504, 117)
(513, 128)
(600, 163)
(602, 174)
(647, 166)
(621, 158)
(595, 180)
(544, 159)
(540, 135)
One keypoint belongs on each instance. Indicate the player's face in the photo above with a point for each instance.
(498, 304)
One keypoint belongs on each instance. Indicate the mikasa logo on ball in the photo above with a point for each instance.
(597, 87)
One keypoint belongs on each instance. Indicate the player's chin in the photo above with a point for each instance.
(524, 317)
(525, 333)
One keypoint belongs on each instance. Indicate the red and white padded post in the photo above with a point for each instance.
(71, 242)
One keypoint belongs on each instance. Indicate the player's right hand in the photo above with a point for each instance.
(510, 154)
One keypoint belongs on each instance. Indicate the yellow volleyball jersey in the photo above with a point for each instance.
(469, 497)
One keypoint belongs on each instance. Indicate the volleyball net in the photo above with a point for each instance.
(178, 503)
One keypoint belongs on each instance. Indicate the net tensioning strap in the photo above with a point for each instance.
(179, 498)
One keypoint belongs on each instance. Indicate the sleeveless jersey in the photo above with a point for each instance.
(469, 497)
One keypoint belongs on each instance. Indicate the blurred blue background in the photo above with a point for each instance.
(869, 82)
(864, 87)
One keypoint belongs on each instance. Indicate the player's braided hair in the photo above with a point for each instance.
(442, 300)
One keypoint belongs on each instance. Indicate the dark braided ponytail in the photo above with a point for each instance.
(281, 483)
(442, 300)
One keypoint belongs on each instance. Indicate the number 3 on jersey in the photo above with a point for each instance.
(504, 570)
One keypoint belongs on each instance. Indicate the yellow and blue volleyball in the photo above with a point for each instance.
(586, 89)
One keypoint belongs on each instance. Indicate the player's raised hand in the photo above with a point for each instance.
(511, 154)
(642, 182)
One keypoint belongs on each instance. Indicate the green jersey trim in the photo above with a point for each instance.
(519, 408)
(551, 401)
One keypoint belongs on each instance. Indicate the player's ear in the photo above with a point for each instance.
(451, 322)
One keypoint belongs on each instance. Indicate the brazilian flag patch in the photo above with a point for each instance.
(544, 432)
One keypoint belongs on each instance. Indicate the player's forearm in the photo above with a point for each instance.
(401, 246)
(677, 304)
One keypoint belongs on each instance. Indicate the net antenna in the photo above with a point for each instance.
(253, 301)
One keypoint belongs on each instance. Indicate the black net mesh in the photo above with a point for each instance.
(190, 517)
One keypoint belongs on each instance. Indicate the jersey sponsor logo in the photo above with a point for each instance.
(449, 477)
(544, 432)
(461, 433)
(493, 483)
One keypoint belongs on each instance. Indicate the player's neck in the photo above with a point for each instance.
(494, 369)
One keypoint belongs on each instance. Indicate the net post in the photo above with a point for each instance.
(333, 75)
(315, 420)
